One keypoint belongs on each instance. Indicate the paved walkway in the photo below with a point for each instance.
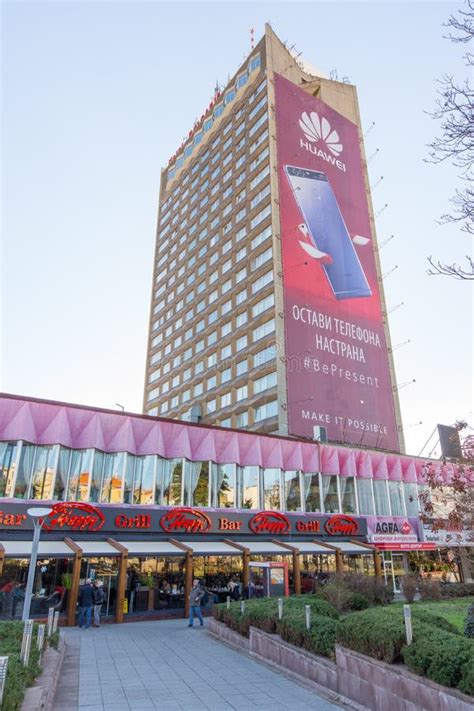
(165, 665)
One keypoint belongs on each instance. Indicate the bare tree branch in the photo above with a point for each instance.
(454, 108)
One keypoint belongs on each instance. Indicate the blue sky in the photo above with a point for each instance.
(97, 96)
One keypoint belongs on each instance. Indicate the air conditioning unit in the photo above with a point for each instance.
(320, 434)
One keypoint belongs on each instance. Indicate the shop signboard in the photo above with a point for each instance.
(68, 518)
(336, 353)
(447, 538)
(392, 529)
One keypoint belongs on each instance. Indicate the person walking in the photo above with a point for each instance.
(85, 601)
(98, 597)
(195, 597)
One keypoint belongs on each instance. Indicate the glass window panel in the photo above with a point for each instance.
(250, 480)
(144, 480)
(366, 499)
(96, 480)
(128, 483)
(311, 493)
(112, 478)
(60, 483)
(79, 475)
(411, 499)
(24, 470)
(292, 491)
(42, 479)
(381, 499)
(396, 498)
(196, 483)
(223, 485)
(348, 497)
(169, 482)
(271, 488)
(8, 452)
(329, 494)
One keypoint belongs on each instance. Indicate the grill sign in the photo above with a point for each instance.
(271, 522)
(185, 520)
(75, 516)
(342, 526)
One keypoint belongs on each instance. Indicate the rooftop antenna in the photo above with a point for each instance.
(394, 308)
(386, 241)
(404, 385)
(369, 129)
(377, 183)
(371, 157)
(381, 210)
(384, 276)
(399, 345)
(252, 38)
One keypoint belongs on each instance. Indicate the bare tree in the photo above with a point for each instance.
(455, 110)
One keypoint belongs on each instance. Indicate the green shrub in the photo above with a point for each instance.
(18, 676)
(319, 639)
(457, 590)
(358, 602)
(441, 656)
(376, 632)
(469, 625)
(336, 594)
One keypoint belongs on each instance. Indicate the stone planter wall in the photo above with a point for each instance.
(377, 685)
(367, 682)
(40, 697)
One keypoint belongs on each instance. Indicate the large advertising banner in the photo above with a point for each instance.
(336, 354)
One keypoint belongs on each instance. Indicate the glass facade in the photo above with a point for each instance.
(57, 473)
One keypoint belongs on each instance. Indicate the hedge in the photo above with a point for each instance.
(18, 676)
(449, 590)
(441, 656)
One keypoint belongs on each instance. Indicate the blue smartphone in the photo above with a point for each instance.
(328, 232)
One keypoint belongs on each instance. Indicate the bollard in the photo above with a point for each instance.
(408, 626)
(307, 616)
(55, 621)
(280, 608)
(228, 601)
(242, 607)
(3, 675)
(26, 642)
(40, 638)
(50, 620)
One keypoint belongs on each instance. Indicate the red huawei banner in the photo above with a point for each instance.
(336, 354)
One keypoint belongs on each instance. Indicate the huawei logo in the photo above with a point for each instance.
(316, 129)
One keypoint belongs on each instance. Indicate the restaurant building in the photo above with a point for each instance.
(146, 504)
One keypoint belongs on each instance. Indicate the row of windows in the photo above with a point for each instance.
(56, 473)
(202, 388)
(218, 110)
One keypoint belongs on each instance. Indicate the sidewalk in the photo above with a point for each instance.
(166, 665)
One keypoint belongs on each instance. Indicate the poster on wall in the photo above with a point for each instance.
(336, 354)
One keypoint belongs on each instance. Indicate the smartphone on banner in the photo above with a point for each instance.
(328, 232)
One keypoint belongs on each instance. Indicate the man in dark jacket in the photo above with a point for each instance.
(99, 597)
(85, 601)
(195, 597)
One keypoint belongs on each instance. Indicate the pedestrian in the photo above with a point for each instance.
(195, 597)
(99, 597)
(85, 600)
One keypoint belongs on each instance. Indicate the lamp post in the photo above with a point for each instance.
(36, 514)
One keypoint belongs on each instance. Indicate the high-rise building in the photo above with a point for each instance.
(267, 308)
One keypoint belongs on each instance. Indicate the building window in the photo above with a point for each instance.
(365, 496)
(396, 498)
(263, 305)
(223, 486)
(241, 367)
(169, 482)
(265, 411)
(329, 494)
(292, 491)
(242, 419)
(265, 383)
(264, 356)
(226, 399)
(264, 330)
(311, 493)
(242, 393)
(250, 485)
(211, 406)
(382, 507)
(271, 489)
(348, 495)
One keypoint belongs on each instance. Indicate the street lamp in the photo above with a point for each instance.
(36, 513)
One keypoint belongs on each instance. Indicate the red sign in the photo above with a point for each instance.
(10, 519)
(341, 525)
(272, 522)
(185, 519)
(138, 521)
(76, 516)
(336, 353)
(405, 546)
